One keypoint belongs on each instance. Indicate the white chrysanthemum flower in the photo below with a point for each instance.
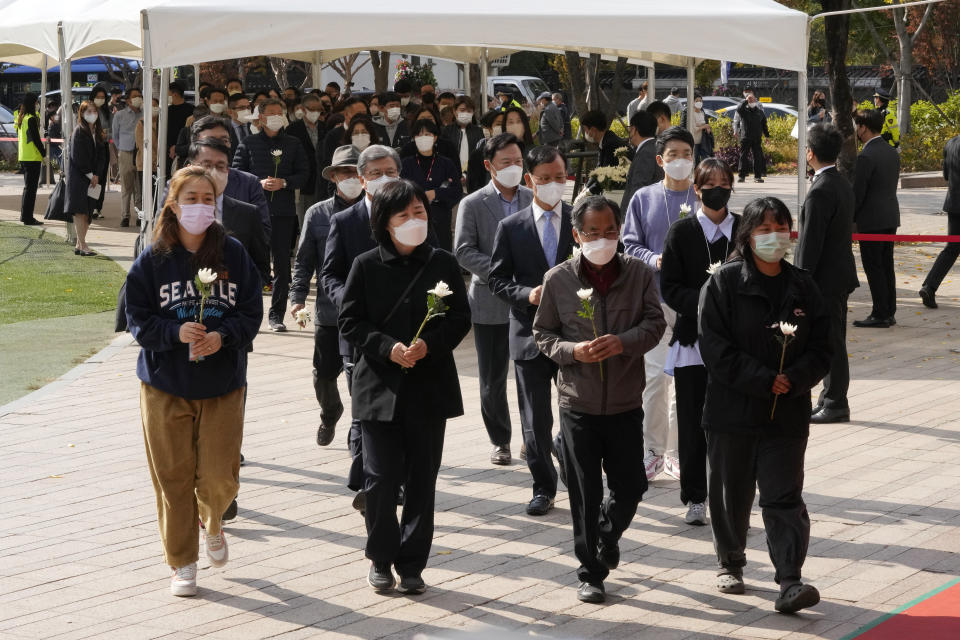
(207, 275)
(441, 290)
(303, 317)
(276, 153)
(788, 329)
(713, 267)
(584, 294)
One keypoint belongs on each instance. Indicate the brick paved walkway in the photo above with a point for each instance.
(80, 554)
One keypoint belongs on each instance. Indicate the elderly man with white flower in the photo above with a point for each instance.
(599, 314)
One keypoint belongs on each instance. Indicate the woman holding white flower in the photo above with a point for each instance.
(694, 246)
(194, 304)
(757, 408)
(405, 310)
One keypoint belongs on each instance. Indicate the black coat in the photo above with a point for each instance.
(443, 147)
(951, 173)
(477, 174)
(242, 221)
(608, 147)
(742, 355)
(454, 133)
(753, 122)
(824, 246)
(299, 131)
(86, 156)
(254, 155)
(382, 391)
(644, 170)
(875, 187)
(684, 270)
(401, 135)
(444, 177)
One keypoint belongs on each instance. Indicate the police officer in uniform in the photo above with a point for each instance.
(891, 128)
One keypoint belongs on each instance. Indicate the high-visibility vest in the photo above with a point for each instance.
(891, 128)
(27, 151)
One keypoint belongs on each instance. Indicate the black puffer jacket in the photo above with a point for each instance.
(255, 155)
(742, 354)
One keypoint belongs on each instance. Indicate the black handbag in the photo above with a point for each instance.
(55, 205)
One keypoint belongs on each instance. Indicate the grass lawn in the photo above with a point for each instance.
(40, 277)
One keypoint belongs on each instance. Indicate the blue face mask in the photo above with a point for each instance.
(771, 247)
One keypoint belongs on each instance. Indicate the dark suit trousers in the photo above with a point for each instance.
(440, 219)
(947, 257)
(691, 387)
(535, 380)
(739, 464)
(31, 180)
(354, 438)
(404, 452)
(327, 365)
(837, 381)
(493, 360)
(877, 258)
(283, 233)
(755, 149)
(593, 445)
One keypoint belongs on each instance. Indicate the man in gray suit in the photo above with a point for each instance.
(551, 120)
(876, 211)
(644, 169)
(477, 220)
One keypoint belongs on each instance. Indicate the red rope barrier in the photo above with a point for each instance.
(889, 237)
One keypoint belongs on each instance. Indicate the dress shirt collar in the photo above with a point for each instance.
(711, 230)
(500, 193)
(822, 169)
(538, 211)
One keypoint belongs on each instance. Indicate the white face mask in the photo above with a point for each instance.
(771, 247)
(550, 193)
(99, 102)
(698, 104)
(243, 114)
(360, 140)
(678, 169)
(312, 116)
(169, 100)
(411, 233)
(589, 138)
(220, 178)
(496, 130)
(350, 188)
(393, 113)
(464, 117)
(509, 176)
(404, 101)
(136, 103)
(424, 143)
(275, 123)
(374, 110)
(600, 251)
(90, 117)
(516, 129)
(373, 186)
(298, 114)
(217, 108)
(254, 129)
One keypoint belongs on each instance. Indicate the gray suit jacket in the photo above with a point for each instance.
(551, 125)
(875, 187)
(644, 170)
(477, 220)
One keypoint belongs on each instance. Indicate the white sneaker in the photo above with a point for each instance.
(653, 464)
(671, 467)
(183, 582)
(216, 549)
(696, 514)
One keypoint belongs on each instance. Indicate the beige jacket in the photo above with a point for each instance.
(630, 310)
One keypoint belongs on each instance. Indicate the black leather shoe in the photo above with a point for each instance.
(32, 222)
(125, 222)
(928, 297)
(360, 502)
(231, 511)
(380, 576)
(827, 416)
(325, 434)
(501, 454)
(591, 592)
(891, 321)
(411, 585)
(872, 322)
(539, 506)
(561, 468)
(608, 554)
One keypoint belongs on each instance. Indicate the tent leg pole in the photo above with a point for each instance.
(66, 115)
(691, 88)
(163, 152)
(652, 81)
(315, 70)
(484, 67)
(43, 112)
(146, 81)
(196, 85)
(801, 138)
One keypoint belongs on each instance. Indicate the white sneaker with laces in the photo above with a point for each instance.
(217, 549)
(696, 514)
(653, 464)
(183, 582)
(671, 467)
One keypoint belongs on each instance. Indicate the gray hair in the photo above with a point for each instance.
(594, 203)
(376, 152)
(310, 97)
(557, 96)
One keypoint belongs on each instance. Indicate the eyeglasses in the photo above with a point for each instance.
(373, 174)
(590, 236)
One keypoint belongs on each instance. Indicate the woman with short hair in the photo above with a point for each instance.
(88, 162)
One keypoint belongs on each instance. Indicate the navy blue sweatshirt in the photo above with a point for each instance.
(161, 296)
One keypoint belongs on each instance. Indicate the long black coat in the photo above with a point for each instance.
(875, 181)
(742, 355)
(824, 246)
(381, 390)
(86, 156)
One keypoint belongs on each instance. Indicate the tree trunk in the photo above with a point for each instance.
(618, 72)
(477, 92)
(578, 87)
(836, 34)
(380, 61)
(592, 79)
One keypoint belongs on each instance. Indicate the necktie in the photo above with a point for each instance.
(549, 239)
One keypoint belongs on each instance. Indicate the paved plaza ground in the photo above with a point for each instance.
(80, 554)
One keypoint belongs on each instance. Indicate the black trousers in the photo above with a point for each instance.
(691, 387)
(283, 231)
(837, 381)
(440, 219)
(877, 258)
(755, 149)
(739, 464)
(948, 256)
(535, 381)
(593, 445)
(493, 360)
(327, 365)
(31, 179)
(354, 437)
(405, 452)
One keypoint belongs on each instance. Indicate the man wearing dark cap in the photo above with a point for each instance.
(891, 128)
(327, 363)
(551, 120)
